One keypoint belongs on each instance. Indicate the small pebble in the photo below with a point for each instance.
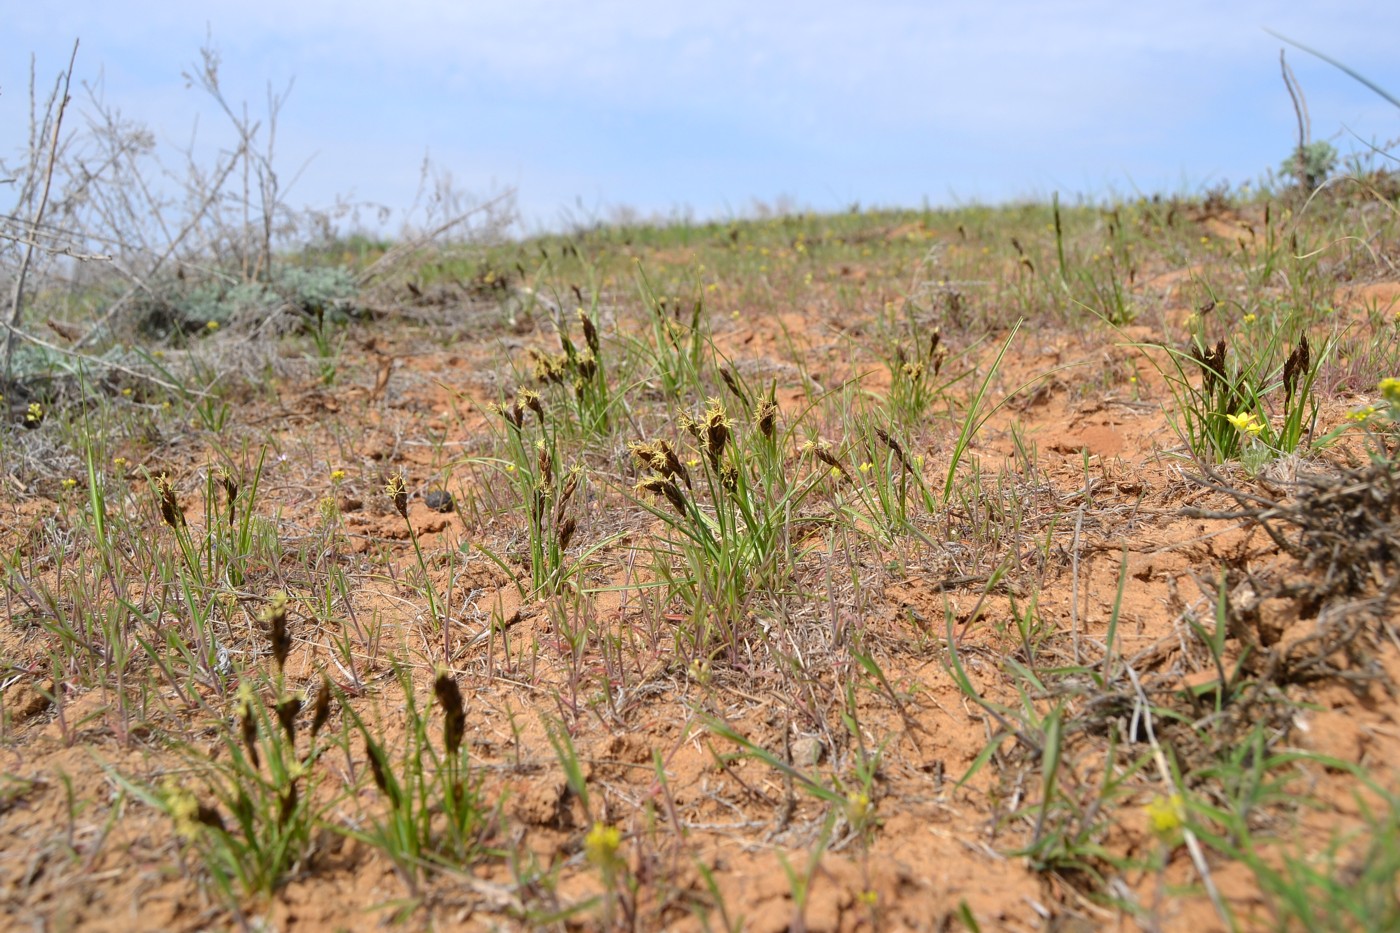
(439, 500)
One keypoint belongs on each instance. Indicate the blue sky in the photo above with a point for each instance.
(707, 107)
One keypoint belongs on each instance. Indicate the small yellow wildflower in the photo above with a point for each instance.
(1364, 414)
(212, 325)
(1248, 422)
(69, 483)
(119, 462)
(858, 808)
(1166, 814)
(183, 810)
(1390, 388)
(867, 466)
(337, 475)
(126, 392)
(1250, 318)
(601, 845)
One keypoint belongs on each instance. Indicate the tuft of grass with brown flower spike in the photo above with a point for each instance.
(434, 816)
(249, 815)
(727, 527)
(549, 493)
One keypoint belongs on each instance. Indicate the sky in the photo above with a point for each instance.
(710, 109)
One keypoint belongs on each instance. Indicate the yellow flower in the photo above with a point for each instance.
(1250, 318)
(337, 475)
(69, 483)
(1390, 388)
(867, 466)
(1364, 414)
(1166, 814)
(183, 810)
(858, 808)
(1248, 422)
(118, 462)
(601, 845)
(212, 325)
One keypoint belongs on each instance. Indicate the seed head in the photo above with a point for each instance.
(275, 618)
(321, 708)
(894, 445)
(287, 709)
(728, 376)
(379, 769)
(531, 400)
(715, 429)
(660, 485)
(1296, 365)
(545, 461)
(169, 505)
(248, 723)
(398, 491)
(289, 804)
(766, 417)
(590, 333)
(454, 716)
(230, 485)
(566, 532)
(824, 454)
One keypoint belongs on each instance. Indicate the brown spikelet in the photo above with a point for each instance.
(379, 770)
(566, 532)
(567, 493)
(514, 415)
(590, 333)
(660, 485)
(531, 400)
(230, 485)
(689, 425)
(671, 462)
(715, 431)
(1212, 363)
(545, 461)
(275, 618)
(824, 454)
(454, 716)
(289, 804)
(727, 375)
(287, 709)
(1297, 365)
(894, 446)
(209, 816)
(169, 506)
(397, 490)
(321, 708)
(766, 417)
(248, 727)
